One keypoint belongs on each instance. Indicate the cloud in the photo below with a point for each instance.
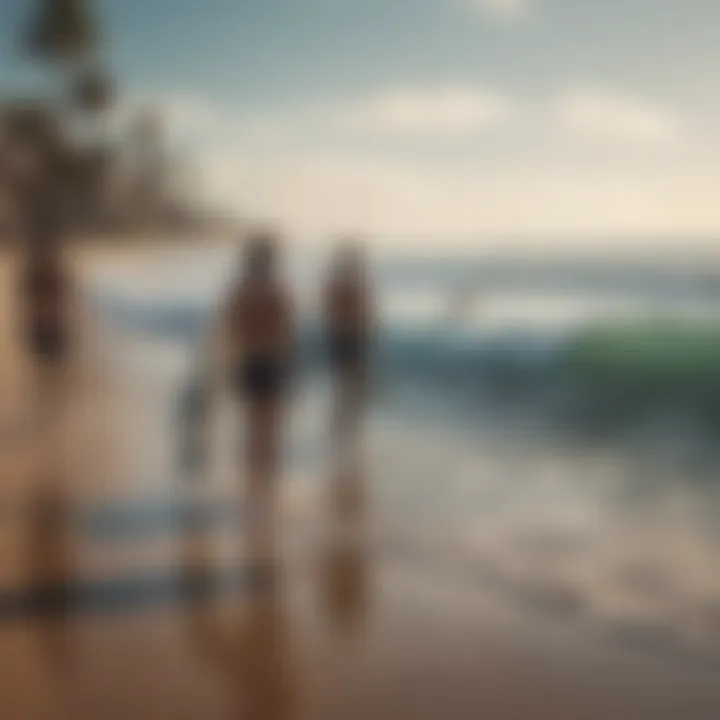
(183, 116)
(440, 111)
(502, 9)
(318, 194)
(306, 168)
(610, 116)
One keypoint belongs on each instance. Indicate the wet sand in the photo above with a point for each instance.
(126, 614)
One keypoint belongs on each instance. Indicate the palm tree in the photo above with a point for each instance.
(64, 35)
(92, 92)
(62, 31)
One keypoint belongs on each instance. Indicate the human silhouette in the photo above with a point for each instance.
(47, 301)
(349, 322)
(260, 335)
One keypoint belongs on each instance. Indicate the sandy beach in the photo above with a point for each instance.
(130, 602)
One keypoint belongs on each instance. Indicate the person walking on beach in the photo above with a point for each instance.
(349, 325)
(259, 328)
(47, 300)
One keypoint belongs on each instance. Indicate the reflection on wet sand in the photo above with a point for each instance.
(52, 567)
(557, 535)
(343, 581)
(252, 651)
(264, 662)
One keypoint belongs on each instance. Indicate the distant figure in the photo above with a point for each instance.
(463, 302)
(260, 335)
(350, 324)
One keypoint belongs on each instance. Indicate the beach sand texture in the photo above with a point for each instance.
(360, 624)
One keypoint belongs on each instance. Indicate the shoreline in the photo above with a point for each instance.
(435, 639)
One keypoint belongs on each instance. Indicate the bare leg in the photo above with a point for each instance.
(49, 384)
(349, 402)
(263, 436)
(51, 387)
(262, 463)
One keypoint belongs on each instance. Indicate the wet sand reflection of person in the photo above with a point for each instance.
(51, 560)
(259, 321)
(349, 324)
(253, 653)
(344, 581)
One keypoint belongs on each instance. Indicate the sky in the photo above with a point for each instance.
(413, 119)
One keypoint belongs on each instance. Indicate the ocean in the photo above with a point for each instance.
(475, 448)
(459, 329)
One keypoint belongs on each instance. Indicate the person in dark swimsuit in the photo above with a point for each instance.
(45, 289)
(349, 326)
(260, 330)
(47, 304)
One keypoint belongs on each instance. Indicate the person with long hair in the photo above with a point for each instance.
(48, 307)
(349, 320)
(260, 336)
